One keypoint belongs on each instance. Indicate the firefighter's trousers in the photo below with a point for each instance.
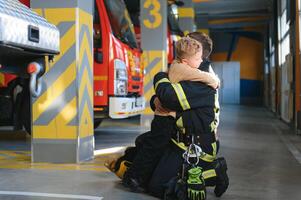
(150, 147)
(170, 165)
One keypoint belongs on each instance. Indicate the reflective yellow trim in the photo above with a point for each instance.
(214, 149)
(163, 80)
(209, 174)
(205, 157)
(180, 125)
(180, 144)
(215, 122)
(181, 96)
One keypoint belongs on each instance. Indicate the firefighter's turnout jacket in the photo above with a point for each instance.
(197, 112)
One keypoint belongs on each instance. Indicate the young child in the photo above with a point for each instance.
(185, 66)
(151, 145)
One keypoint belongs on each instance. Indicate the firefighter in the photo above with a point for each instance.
(185, 67)
(197, 117)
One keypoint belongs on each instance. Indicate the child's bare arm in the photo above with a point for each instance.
(184, 73)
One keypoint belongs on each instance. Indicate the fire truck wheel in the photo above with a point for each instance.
(97, 122)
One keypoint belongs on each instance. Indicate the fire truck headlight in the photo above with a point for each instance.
(120, 77)
(121, 87)
(121, 74)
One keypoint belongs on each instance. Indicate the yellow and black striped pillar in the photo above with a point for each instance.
(62, 117)
(186, 17)
(154, 43)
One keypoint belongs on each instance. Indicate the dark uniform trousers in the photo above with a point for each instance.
(156, 158)
(196, 112)
(149, 148)
(170, 166)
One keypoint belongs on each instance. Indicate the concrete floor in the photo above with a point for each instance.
(263, 156)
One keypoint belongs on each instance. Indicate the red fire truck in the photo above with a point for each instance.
(118, 70)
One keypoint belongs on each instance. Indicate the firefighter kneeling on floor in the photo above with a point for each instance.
(196, 125)
(196, 120)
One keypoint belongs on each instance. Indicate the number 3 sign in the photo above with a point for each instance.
(154, 12)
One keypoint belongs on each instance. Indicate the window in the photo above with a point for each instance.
(121, 23)
(97, 38)
(173, 19)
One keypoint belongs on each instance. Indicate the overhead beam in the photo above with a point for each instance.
(237, 25)
(262, 13)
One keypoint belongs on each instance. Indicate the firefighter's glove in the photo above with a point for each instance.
(196, 188)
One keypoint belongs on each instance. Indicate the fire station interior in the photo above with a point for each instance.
(71, 106)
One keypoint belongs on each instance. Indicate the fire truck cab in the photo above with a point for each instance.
(118, 70)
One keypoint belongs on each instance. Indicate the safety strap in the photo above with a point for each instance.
(205, 156)
(180, 125)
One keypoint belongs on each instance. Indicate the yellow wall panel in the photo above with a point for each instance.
(250, 55)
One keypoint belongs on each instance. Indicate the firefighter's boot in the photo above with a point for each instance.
(222, 179)
(132, 183)
(118, 166)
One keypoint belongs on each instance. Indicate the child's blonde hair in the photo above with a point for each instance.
(187, 47)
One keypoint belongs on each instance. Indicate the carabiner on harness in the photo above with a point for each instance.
(193, 151)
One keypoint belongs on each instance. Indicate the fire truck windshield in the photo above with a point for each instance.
(121, 23)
